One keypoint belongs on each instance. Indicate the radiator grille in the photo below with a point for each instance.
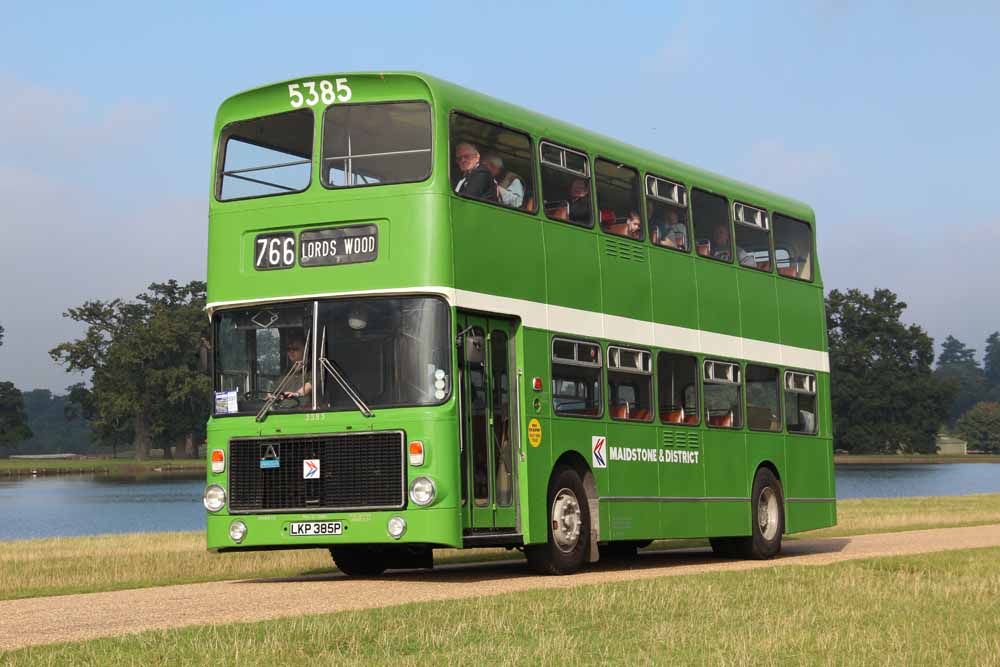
(628, 250)
(357, 471)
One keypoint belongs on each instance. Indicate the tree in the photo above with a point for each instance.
(885, 397)
(981, 427)
(143, 356)
(991, 360)
(954, 351)
(52, 431)
(13, 421)
(957, 366)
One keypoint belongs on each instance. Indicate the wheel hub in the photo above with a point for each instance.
(566, 520)
(767, 513)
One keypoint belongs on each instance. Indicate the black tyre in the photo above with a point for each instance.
(767, 504)
(569, 526)
(767, 519)
(359, 561)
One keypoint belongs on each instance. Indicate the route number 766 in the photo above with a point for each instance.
(310, 93)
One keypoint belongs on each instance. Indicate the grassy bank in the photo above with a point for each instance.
(31, 568)
(930, 609)
(862, 459)
(18, 467)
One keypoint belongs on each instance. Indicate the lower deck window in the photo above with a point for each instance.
(722, 394)
(630, 384)
(800, 402)
(576, 378)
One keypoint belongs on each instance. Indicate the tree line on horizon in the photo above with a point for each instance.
(148, 388)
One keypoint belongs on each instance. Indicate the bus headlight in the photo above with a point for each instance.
(396, 527)
(422, 491)
(215, 498)
(237, 531)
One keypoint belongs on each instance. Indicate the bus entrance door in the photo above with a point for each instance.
(486, 357)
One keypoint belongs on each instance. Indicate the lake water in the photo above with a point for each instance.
(94, 504)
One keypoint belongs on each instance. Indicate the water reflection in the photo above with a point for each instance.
(64, 506)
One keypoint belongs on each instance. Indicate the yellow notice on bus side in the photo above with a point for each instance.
(534, 433)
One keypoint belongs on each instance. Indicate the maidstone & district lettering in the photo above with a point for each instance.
(652, 455)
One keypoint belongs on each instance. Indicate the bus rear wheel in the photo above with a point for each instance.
(565, 551)
(767, 519)
(359, 561)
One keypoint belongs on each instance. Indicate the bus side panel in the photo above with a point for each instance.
(718, 297)
(536, 465)
(767, 448)
(809, 463)
(497, 251)
(572, 268)
(758, 305)
(635, 477)
(625, 272)
(727, 485)
(801, 313)
(680, 478)
(675, 292)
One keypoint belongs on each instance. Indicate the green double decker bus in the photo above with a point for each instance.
(443, 321)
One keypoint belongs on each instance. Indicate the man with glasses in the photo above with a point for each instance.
(476, 181)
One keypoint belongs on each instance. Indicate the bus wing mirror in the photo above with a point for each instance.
(474, 346)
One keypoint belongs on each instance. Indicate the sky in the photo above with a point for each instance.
(882, 116)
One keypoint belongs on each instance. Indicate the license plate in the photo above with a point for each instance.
(338, 245)
(312, 528)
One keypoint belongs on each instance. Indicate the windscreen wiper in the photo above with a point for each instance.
(342, 381)
(276, 394)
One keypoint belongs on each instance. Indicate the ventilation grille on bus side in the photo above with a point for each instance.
(356, 471)
(678, 438)
(629, 250)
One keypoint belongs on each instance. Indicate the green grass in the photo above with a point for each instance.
(930, 609)
(58, 566)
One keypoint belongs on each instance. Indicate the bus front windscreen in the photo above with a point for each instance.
(392, 352)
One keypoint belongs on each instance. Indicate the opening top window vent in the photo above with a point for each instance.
(667, 191)
(749, 215)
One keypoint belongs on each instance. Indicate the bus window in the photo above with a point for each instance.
(666, 206)
(566, 185)
(711, 226)
(677, 382)
(618, 199)
(576, 378)
(753, 239)
(722, 394)
(376, 144)
(793, 247)
(630, 384)
(265, 156)
(800, 402)
(763, 409)
(502, 173)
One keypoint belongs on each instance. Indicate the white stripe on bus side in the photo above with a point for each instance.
(586, 323)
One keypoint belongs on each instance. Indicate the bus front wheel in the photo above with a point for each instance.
(565, 551)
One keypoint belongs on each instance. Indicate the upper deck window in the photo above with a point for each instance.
(618, 199)
(265, 156)
(376, 144)
(666, 206)
(491, 163)
(711, 226)
(793, 247)
(566, 184)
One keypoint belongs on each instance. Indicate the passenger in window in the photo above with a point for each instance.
(721, 249)
(579, 202)
(510, 186)
(666, 228)
(476, 181)
(633, 225)
(295, 348)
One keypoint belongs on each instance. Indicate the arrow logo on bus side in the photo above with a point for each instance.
(597, 443)
(310, 468)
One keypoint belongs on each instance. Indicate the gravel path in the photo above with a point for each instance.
(80, 617)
